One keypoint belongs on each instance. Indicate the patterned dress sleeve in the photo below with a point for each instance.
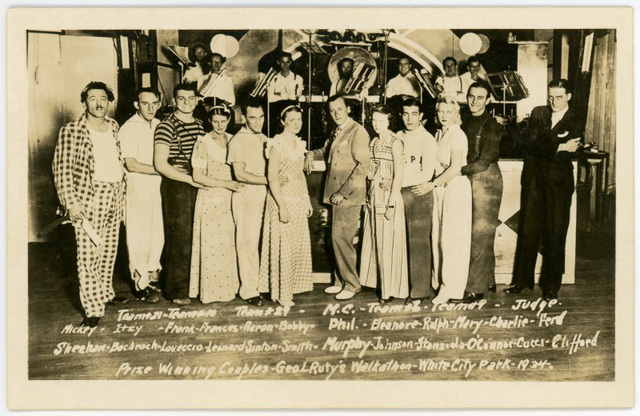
(275, 142)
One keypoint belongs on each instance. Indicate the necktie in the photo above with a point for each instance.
(336, 133)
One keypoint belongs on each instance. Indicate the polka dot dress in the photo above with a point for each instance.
(214, 270)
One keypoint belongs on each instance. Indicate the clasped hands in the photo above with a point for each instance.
(421, 189)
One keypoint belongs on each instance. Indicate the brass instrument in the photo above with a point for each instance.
(424, 79)
(210, 81)
(261, 87)
(361, 76)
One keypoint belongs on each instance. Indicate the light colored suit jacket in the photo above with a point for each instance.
(348, 159)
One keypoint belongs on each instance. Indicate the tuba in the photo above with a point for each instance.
(261, 87)
(361, 76)
(364, 68)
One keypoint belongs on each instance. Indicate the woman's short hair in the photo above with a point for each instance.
(382, 109)
(450, 100)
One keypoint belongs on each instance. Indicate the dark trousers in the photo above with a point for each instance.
(544, 219)
(345, 222)
(178, 204)
(418, 212)
(486, 188)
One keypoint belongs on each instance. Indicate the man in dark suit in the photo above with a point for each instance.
(347, 155)
(547, 188)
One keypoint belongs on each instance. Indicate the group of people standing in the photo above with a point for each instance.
(216, 207)
(231, 212)
(421, 218)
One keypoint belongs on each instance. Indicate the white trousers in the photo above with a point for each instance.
(451, 237)
(145, 231)
(248, 209)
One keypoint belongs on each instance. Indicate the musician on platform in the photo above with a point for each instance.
(345, 73)
(451, 84)
(405, 84)
(200, 67)
(473, 72)
(286, 85)
(217, 84)
(283, 90)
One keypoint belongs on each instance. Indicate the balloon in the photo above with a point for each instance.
(225, 45)
(470, 43)
(485, 43)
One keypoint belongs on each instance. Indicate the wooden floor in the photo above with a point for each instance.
(506, 338)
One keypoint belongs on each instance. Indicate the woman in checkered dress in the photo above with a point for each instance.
(214, 270)
(285, 262)
(384, 249)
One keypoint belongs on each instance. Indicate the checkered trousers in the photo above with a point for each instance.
(95, 263)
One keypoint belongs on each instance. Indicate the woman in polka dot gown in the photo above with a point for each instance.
(214, 270)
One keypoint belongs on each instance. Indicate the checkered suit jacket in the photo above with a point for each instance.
(73, 163)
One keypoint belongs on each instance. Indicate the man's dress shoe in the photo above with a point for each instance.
(514, 290)
(469, 297)
(91, 322)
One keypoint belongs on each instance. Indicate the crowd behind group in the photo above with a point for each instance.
(231, 212)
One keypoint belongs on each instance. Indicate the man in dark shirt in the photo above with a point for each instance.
(483, 134)
(547, 188)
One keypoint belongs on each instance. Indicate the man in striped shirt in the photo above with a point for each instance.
(174, 140)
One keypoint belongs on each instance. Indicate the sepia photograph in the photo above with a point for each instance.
(330, 208)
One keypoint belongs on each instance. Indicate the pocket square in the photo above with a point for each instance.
(563, 135)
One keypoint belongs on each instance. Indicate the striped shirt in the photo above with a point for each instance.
(179, 136)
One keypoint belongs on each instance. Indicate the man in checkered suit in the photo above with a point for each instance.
(89, 176)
